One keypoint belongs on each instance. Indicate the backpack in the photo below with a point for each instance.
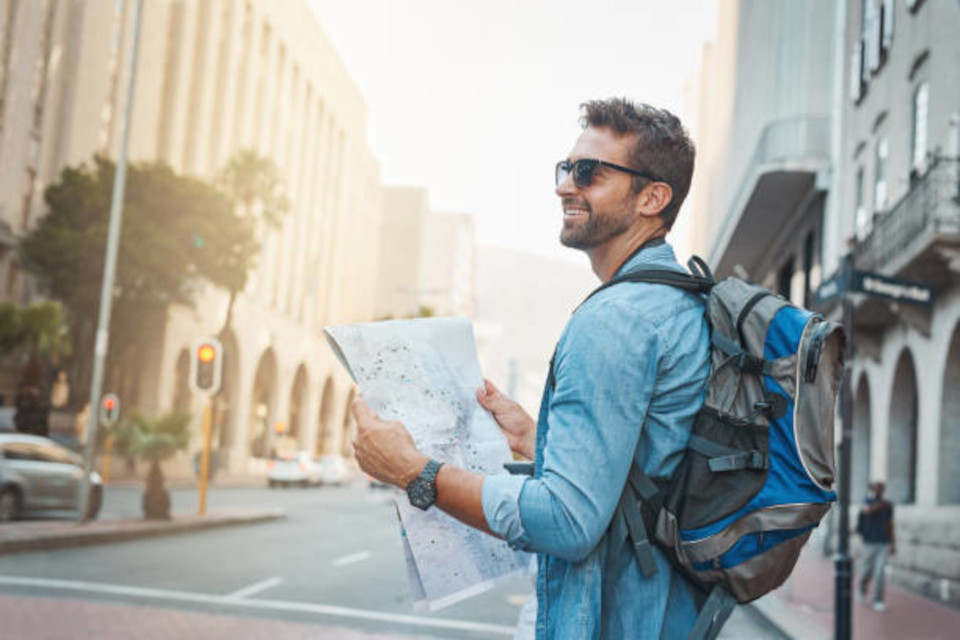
(758, 471)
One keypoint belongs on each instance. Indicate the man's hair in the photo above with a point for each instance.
(661, 146)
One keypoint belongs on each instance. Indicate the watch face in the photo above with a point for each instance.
(421, 493)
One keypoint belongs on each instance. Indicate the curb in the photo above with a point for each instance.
(40, 536)
(789, 622)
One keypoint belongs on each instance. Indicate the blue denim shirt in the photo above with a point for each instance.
(631, 368)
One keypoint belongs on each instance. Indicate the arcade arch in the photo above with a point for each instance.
(349, 428)
(181, 382)
(298, 402)
(902, 432)
(860, 469)
(325, 417)
(261, 405)
(948, 470)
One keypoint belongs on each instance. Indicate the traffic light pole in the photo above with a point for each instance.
(843, 619)
(205, 458)
(109, 270)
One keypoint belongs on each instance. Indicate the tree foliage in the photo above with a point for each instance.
(153, 439)
(176, 230)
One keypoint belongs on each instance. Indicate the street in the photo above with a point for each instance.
(332, 569)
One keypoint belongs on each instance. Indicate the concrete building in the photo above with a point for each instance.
(898, 182)
(829, 125)
(428, 260)
(213, 77)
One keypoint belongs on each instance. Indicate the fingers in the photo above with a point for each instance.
(488, 395)
(361, 411)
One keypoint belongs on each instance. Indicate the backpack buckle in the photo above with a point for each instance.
(749, 363)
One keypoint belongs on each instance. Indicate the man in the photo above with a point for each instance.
(875, 526)
(629, 377)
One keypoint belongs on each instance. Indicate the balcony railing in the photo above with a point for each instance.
(930, 207)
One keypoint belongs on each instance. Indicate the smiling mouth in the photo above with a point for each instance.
(573, 211)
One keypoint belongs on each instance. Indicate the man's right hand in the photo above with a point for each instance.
(517, 425)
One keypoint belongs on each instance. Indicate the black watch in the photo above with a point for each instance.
(422, 490)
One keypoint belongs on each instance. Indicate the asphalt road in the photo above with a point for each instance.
(336, 561)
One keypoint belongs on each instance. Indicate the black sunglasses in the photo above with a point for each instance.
(584, 169)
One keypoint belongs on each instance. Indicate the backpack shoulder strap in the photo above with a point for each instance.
(718, 607)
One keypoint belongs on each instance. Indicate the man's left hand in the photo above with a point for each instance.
(385, 449)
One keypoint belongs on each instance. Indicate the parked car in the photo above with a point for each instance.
(295, 468)
(7, 419)
(333, 470)
(303, 469)
(39, 474)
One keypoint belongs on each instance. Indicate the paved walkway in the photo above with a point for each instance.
(803, 608)
(57, 619)
(54, 534)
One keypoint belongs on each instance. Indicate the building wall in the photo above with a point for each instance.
(213, 77)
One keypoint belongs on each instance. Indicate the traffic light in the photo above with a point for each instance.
(206, 366)
(109, 409)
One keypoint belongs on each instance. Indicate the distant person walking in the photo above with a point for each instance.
(875, 526)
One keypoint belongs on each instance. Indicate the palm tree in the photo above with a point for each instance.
(154, 440)
(257, 188)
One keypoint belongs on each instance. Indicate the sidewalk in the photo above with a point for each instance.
(44, 618)
(803, 608)
(35, 535)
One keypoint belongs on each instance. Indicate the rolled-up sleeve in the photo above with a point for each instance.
(605, 375)
(501, 508)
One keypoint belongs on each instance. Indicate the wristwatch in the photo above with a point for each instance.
(422, 490)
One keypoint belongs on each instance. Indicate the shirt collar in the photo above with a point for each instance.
(658, 254)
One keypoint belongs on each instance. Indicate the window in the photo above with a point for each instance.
(785, 279)
(880, 176)
(856, 72)
(809, 247)
(918, 153)
(862, 219)
(872, 35)
(886, 25)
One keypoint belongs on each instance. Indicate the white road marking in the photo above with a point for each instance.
(274, 605)
(350, 559)
(253, 589)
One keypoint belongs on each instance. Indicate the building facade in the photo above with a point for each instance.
(428, 260)
(213, 77)
(840, 133)
(898, 183)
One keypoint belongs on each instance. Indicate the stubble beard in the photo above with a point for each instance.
(595, 231)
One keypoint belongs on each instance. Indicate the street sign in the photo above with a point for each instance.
(906, 291)
(874, 284)
(206, 366)
(109, 409)
(830, 289)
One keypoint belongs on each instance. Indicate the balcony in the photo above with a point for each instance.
(781, 172)
(917, 239)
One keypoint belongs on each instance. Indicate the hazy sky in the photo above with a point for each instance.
(478, 100)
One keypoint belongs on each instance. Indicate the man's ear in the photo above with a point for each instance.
(654, 198)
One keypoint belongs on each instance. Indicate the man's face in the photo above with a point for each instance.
(878, 488)
(595, 214)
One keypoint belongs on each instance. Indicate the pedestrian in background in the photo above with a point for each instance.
(875, 526)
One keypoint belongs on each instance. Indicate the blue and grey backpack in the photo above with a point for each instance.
(759, 468)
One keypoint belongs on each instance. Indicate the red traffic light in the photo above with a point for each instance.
(206, 353)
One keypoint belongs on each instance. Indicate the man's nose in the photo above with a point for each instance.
(566, 187)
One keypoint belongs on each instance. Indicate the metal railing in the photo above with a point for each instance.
(781, 141)
(931, 205)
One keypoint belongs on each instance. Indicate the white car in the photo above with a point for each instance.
(39, 474)
(299, 468)
(334, 470)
